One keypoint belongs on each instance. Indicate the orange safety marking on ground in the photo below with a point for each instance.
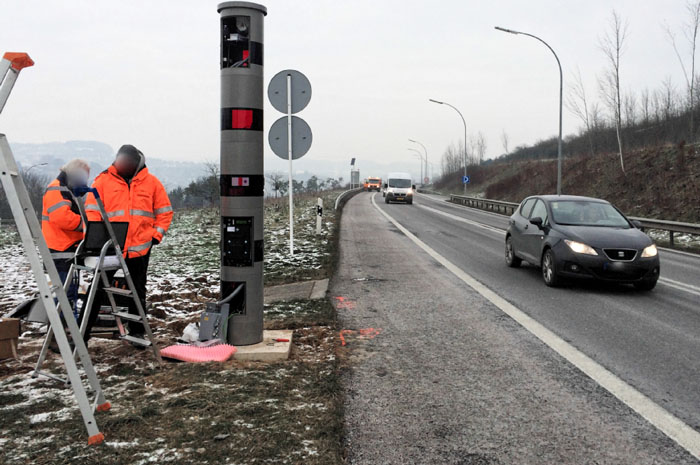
(343, 303)
(365, 333)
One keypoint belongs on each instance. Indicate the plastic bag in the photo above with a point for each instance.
(191, 333)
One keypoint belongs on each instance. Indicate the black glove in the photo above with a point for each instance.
(155, 241)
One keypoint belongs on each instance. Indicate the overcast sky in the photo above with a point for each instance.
(147, 73)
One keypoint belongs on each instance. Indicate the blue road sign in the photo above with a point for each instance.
(465, 179)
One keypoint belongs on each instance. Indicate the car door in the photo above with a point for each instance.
(533, 237)
(519, 223)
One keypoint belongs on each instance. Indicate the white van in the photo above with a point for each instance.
(398, 188)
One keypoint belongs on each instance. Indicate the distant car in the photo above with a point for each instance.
(580, 237)
(399, 188)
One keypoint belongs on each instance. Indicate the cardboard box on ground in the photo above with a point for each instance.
(9, 334)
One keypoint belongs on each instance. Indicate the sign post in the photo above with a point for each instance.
(290, 92)
(319, 215)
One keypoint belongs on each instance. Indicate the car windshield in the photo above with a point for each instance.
(584, 213)
(374, 180)
(401, 183)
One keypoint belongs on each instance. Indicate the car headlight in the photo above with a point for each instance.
(580, 247)
(650, 251)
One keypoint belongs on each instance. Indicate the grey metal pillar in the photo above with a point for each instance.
(242, 178)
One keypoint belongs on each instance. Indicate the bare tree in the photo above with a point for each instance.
(690, 32)
(630, 106)
(277, 180)
(645, 105)
(668, 99)
(504, 141)
(480, 147)
(612, 45)
(577, 103)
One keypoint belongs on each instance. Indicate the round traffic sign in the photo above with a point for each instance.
(301, 91)
(301, 138)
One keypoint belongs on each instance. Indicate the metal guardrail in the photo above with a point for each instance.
(672, 227)
(508, 208)
(345, 196)
(498, 206)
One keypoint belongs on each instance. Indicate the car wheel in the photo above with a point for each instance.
(410, 202)
(646, 285)
(386, 199)
(511, 259)
(549, 269)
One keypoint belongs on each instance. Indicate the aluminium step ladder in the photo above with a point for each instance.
(98, 269)
(39, 258)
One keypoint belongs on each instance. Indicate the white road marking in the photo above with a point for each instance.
(680, 286)
(462, 207)
(689, 288)
(463, 220)
(662, 419)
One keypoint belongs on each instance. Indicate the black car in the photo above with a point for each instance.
(580, 237)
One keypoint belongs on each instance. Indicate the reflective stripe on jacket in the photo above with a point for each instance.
(143, 203)
(61, 223)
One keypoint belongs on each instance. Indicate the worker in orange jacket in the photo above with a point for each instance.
(61, 223)
(130, 193)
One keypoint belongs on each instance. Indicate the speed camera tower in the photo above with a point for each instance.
(242, 179)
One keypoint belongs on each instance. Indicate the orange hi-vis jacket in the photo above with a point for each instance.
(61, 223)
(143, 203)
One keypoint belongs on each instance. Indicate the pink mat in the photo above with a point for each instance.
(187, 353)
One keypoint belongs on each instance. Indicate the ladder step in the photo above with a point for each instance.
(50, 376)
(91, 269)
(127, 316)
(137, 340)
(116, 290)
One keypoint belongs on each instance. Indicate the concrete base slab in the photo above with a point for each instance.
(320, 289)
(268, 350)
(295, 291)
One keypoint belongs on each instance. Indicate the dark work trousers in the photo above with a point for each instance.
(138, 269)
(63, 266)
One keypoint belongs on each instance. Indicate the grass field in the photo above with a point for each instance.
(233, 412)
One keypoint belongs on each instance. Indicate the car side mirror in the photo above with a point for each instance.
(537, 221)
(413, 187)
(386, 185)
(637, 224)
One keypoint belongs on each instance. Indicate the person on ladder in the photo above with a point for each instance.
(61, 223)
(130, 193)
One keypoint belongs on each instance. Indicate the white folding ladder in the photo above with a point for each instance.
(29, 231)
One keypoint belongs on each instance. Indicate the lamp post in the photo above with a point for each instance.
(465, 136)
(34, 166)
(561, 96)
(420, 156)
(426, 157)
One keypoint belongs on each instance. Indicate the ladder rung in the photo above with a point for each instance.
(109, 310)
(116, 290)
(127, 316)
(50, 376)
(137, 340)
(92, 269)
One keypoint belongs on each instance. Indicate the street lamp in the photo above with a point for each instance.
(561, 96)
(426, 157)
(420, 155)
(465, 136)
(34, 166)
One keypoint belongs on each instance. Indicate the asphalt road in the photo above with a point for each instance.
(450, 379)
